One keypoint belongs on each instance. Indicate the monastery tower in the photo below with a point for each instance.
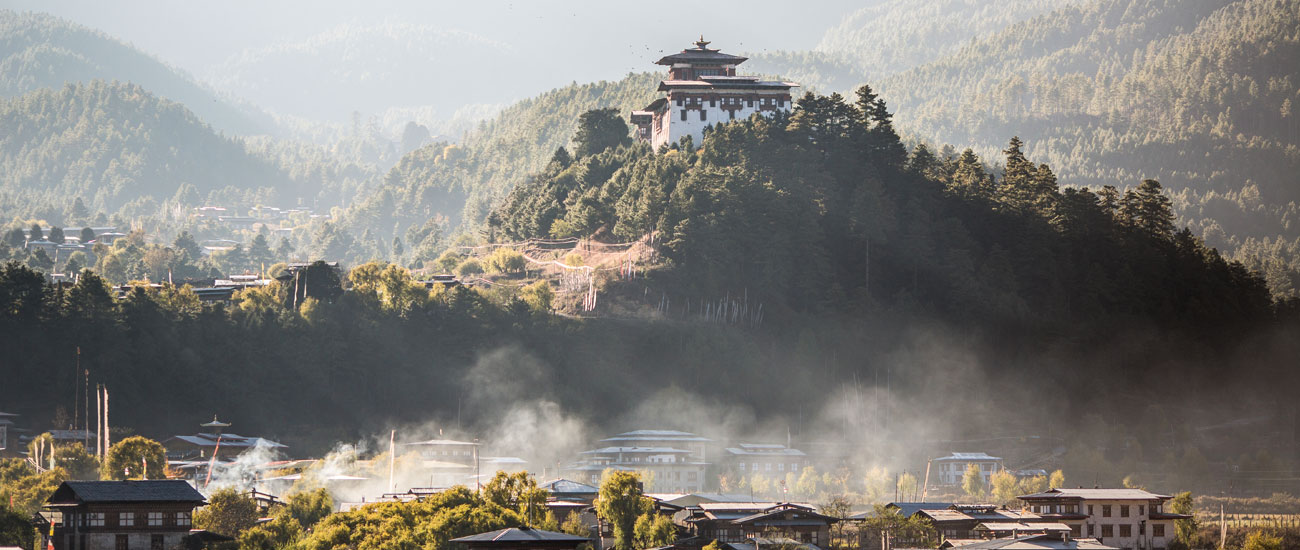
(703, 89)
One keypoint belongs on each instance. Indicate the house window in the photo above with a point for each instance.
(768, 466)
(741, 466)
(683, 115)
(1090, 509)
(1142, 528)
(1123, 510)
(679, 102)
(155, 519)
(704, 115)
(713, 102)
(95, 519)
(780, 467)
(1090, 529)
(1105, 510)
(690, 476)
(794, 467)
(733, 114)
(122, 542)
(1158, 530)
(1075, 531)
(749, 103)
(781, 102)
(1142, 510)
(183, 519)
(1107, 531)
(126, 519)
(1125, 530)
(156, 542)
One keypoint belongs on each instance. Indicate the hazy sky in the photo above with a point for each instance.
(609, 37)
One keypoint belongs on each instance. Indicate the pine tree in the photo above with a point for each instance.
(56, 235)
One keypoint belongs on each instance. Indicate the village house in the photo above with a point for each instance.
(961, 521)
(746, 459)
(214, 442)
(520, 538)
(676, 459)
(703, 89)
(120, 515)
(952, 468)
(1041, 541)
(738, 522)
(1124, 518)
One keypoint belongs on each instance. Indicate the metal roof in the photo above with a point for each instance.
(968, 456)
(226, 440)
(154, 490)
(568, 486)
(756, 450)
(1036, 542)
(441, 442)
(656, 435)
(635, 450)
(521, 534)
(905, 509)
(1096, 494)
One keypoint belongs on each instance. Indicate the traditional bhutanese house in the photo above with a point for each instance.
(564, 489)
(746, 459)
(740, 522)
(952, 468)
(1127, 518)
(999, 530)
(959, 520)
(121, 515)
(214, 443)
(447, 450)
(520, 538)
(905, 509)
(1054, 541)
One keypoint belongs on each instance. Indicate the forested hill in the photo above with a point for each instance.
(1197, 94)
(116, 145)
(442, 184)
(824, 210)
(43, 51)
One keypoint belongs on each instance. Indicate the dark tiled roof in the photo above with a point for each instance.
(521, 534)
(160, 490)
(701, 55)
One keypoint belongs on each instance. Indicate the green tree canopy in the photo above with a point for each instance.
(621, 502)
(135, 457)
(598, 130)
(229, 512)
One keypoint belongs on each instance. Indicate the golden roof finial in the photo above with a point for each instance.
(702, 42)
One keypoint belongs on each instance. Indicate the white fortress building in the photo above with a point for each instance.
(703, 89)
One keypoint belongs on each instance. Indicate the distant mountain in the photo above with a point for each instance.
(42, 51)
(896, 35)
(115, 145)
(370, 69)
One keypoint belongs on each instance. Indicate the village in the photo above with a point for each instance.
(743, 495)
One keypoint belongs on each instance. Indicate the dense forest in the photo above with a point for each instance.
(1110, 92)
(818, 216)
